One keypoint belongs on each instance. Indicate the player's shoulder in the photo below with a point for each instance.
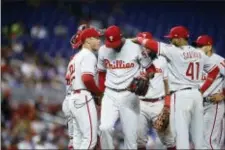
(86, 54)
(217, 57)
(129, 43)
(160, 61)
(103, 50)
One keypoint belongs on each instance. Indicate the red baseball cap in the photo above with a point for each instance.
(89, 32)
(178, 32)
(204, 40)
(113, 37)
(146, 35)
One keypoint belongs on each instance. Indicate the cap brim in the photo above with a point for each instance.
(168, 36)
(114, 44)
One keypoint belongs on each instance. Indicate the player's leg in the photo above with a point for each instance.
(167, 138)
(109, 115)
(69, 121)
(182, 106)
(76, 130)
(129, 113)
(213, 116)
(222, 137)
(196, 126)
(143, 127)
(87, 120)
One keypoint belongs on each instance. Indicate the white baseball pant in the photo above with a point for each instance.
(148, 114)
(213, 119)
(123, 105)
(69, 118)
(83, 109)
(187, 116)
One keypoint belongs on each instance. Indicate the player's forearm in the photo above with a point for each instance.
(166, 86)
(151, 45)
(101, 80)
(90, 84)
(210, 78)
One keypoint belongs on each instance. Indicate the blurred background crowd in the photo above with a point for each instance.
(35, 50)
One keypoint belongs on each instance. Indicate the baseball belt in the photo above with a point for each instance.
(152, 100)
(188, 88)
(117, 90)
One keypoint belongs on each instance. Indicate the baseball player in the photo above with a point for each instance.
(83, 88)
(186, 65)
(152, 103)
(213, 108)
(75, 44)
(119, 61)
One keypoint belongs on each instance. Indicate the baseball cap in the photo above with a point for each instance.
(146, 35)
(178, 32)
(113, 37)
(89, 32)
(203, 40)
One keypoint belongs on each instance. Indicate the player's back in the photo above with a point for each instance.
(84, 62)
(186, 65)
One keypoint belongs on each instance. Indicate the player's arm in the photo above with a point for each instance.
(88, 73)
(154, 46)
(166, 85)
(213, 71)
(101, 70)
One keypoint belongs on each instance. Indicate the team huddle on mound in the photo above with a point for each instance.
(175, 88)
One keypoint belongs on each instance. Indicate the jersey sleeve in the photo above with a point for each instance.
(222, 67)
(101, 64)
(88, 65)
(143, 58)
(166, 50)
(208, 64)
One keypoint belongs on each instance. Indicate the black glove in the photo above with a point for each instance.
(139, 86)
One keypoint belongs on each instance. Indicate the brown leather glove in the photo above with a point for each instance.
(215, 98)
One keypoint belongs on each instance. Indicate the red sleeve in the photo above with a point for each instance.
(151, 69)
(101, 80)
(89, 82)
(210, 78)
(224, 92)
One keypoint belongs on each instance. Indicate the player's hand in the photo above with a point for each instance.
(200, 91)
(215, 98)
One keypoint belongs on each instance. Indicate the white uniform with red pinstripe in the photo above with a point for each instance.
(81, 103)
(213, 113)
(121, 68)
(186, 65)
(65, 106)
(150, 110)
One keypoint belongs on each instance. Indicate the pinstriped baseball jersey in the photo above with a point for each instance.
(84, 62)
(217, 85)
(156, 85)
(185, 65)
(122, 66)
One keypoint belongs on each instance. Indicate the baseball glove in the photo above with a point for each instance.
(139, 86)
(162, 121)
(215, 98)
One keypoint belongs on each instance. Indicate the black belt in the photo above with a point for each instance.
(188, 88)
(152, 100)
(117, 90)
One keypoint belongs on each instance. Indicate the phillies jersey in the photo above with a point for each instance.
(67, 77)
(121, 67)
(84, 62)
(217, 85)
(185, 65)
(156, 85)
